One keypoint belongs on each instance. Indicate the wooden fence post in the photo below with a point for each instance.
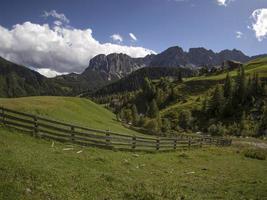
(72, 136)
(158, 143)
(134, 142)
(3, 115)
(107, 138)
(175, 143)
(201, 142)
(36, 127)
(189, 142)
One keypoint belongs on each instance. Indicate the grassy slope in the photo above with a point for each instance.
(196, 87)
(33, 169)
(69, 109)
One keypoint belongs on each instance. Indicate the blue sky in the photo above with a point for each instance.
(156, 24)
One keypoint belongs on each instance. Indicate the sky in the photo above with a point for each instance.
(56, 36)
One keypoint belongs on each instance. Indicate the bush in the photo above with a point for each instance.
(218, 130)
(185, 119)
(255, 154)
(152, 125)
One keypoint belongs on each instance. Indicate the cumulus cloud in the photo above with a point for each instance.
(59, 16)
(133, 36)
(239, 34)
(49, 72)
(259, 24)
(116, 38)
(223, 2)
(58, 48)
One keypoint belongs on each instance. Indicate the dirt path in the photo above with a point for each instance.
(261, 145)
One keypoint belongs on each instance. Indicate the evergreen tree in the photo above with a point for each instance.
(180, 78)
(241, 86)
(135, 115)
(148, 89)
(228, 86)
(242, 125)
(262, 130)
(205, 105)
(216, 104)
(153, 110)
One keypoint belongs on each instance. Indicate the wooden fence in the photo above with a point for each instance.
(64, 132)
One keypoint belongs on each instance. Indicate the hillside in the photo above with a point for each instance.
(17, 80)
(69, 109)
(167, 105)
(135, 80)
(37, 169)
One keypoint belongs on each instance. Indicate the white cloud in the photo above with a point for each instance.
(133, 36)
(116, 38)
(223, 2)
(239, 34)
(259, 24)
(60, 49)
(49, 72)
(59, 16)
(58, 23)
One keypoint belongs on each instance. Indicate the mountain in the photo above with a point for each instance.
(88, 81)
(196, 57)
(118, 65)
(17, 81)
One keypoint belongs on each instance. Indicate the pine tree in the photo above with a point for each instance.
(148, 89)
(180, 78)
(216, 104)
(153, 110)
(262, 130)
(241, 86)
(135, 115)
(242, 124)
(228, 86)
(205, 105)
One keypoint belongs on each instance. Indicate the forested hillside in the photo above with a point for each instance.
(223, 102)
(16, 80)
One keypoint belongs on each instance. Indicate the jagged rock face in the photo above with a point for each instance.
(235, 55)
(202, 56)
(176, 57)
(118, 64)
(172, 57)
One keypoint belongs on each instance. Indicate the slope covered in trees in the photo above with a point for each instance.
(136, 79)
(222, 102)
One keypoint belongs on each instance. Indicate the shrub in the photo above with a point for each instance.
(255, 154)
(185, 119)
(218, 130)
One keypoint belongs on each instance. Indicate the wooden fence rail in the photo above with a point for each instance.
(55, 130)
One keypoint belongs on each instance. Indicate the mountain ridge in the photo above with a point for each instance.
(121, 65)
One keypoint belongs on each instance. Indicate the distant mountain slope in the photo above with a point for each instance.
(135, 80)
(120, 65)
(88, 81)
(17, 80)
(196, 57)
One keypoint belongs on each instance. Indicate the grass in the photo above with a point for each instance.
(69, 109)
(197, 87)
(31, 168)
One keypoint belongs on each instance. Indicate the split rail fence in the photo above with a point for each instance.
(64, 132)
